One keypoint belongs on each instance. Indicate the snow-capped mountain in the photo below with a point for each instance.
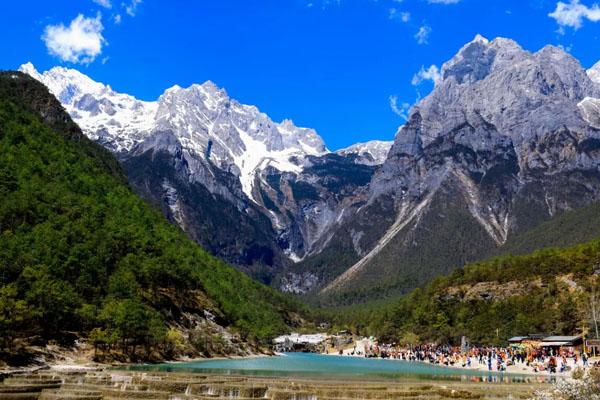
(117, 120)
(260, 194)
(235, 137)
(507, 139)
(373, 152)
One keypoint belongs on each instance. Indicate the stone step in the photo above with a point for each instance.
(19, 396)
(184, 397)
(111, 386)
(172, 387)
(228, 391)
(14, 381)
(135, 394)
(57, 394)
(28, 388)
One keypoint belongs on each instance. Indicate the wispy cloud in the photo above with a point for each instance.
(401, 110)
(104, 3)
(131, 8)
(574, 13)
(323, 4)
(422, 35)
(430, 74)
(443, 1)
(403, 16)
(80, 42)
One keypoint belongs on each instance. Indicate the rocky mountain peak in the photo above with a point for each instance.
(478, 58)
(499, 111)
(594, 73)
(209, 125)
(29, 69)
(508, 138)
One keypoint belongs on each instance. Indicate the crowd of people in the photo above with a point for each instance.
(552, 360)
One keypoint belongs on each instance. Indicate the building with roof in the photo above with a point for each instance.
(572, 343)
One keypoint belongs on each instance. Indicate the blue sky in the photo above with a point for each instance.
(332, 65)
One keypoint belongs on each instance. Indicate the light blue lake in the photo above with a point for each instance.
(307, 364)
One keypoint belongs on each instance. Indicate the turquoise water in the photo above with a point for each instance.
(307, 364)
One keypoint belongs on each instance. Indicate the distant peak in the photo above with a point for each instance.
(210, 85)
(550, 48)
(480, 39)
(174, 88)
(373, 152)
(287, 123)
(30, 70)
(503, 43)
(208, 88)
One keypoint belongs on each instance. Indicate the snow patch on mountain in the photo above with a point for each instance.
(116, 120)
(209, 124)
(370, 153)
(594, 73)
(590, 110)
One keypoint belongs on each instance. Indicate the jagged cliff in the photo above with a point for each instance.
(505, 141)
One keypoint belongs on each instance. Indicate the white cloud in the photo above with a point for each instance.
(443, 1)
(80, 42)
(402, 110)
(572, 14)
(430, 74)
(117, 19)
(131, 8)
(103, 3)
(394, 13)
(566, 48)
(422, 36)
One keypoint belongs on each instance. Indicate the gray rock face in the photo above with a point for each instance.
(495, 97)
(513, 131)
(506, 140)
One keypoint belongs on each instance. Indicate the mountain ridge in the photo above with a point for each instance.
(209, 142)
(507, 139)
(524, 132)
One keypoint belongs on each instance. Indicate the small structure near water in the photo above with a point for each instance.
(554, 343)
(295, 342)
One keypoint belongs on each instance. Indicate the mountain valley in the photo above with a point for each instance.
(506, 141)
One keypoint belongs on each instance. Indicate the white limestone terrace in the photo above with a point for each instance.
(209, 124)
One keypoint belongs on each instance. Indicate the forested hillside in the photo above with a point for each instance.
(81, 254)
(548, 291)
